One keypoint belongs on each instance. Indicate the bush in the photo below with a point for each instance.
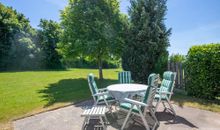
(203, 71)
(177, 58)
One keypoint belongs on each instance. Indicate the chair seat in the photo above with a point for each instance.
(127, 106)
(157, 96)
(107, 98)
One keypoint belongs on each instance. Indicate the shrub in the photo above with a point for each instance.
(203, 71)
(177, 58)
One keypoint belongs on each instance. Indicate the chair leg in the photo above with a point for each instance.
(108, 106)
(144, 120)
(171, 107)
(84, 123)
(126, 119)
(96, 102)
(164, 105)
(155, 119)
(106, 120)
(156, 107)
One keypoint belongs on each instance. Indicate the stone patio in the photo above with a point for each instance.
(68, 118)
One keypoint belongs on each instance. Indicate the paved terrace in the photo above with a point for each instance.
(68, 118)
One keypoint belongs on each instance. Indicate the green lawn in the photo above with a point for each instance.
(24, 93)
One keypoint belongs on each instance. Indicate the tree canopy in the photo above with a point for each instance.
(49, 36)
(16, 46)
(92, 28)
(147, 38)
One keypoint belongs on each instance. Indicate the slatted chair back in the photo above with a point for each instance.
(92, 86)
(152, 89)
(167, 84)
(124, 77)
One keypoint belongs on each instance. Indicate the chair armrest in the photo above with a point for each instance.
(100, 94)
(103, 89)
(135, 102)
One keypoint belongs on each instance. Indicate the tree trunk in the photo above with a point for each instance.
(100, 68)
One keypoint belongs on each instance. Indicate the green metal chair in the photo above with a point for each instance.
(124, 77)
(165, 91)
(100, 96)
(140, 108)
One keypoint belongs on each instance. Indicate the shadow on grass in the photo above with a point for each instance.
(70, 90)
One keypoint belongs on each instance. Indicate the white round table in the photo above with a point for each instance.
(121, 91)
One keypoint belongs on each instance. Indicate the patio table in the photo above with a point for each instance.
(121, 91)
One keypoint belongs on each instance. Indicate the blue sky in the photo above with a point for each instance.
(193, 22)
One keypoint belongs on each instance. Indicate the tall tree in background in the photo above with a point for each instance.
(8, 21)
(16, 45)
(49, 36)
(93, 28)
(148, 38)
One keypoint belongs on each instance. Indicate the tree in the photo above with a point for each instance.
(8, 21)
(177, 58)
(148, 38)
(49, 36)
(16, 46)
(92, 28)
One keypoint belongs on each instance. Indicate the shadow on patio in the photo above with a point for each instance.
(116, 120)
(170, 119)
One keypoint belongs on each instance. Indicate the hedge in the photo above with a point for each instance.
(203, 71)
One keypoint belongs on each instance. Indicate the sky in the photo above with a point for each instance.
(193, 22)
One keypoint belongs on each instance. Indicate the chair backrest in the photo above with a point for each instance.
(152, 88)
(92, 85)
(168, 81)
(124, 77)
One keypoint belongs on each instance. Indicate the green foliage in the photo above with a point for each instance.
(161, 64)
(147, 39)
(203, 71)
(49, 36)
(16, 46)
(177, 58)
(88, 63)
(92, 28)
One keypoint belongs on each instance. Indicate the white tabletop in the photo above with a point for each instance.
(127, 87)
(121, 91)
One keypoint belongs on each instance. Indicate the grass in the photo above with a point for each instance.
(25, 93)
(181, 99)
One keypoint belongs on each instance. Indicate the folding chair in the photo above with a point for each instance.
(165, 91)
(99, 95)
(124, 77)
(140, 108)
